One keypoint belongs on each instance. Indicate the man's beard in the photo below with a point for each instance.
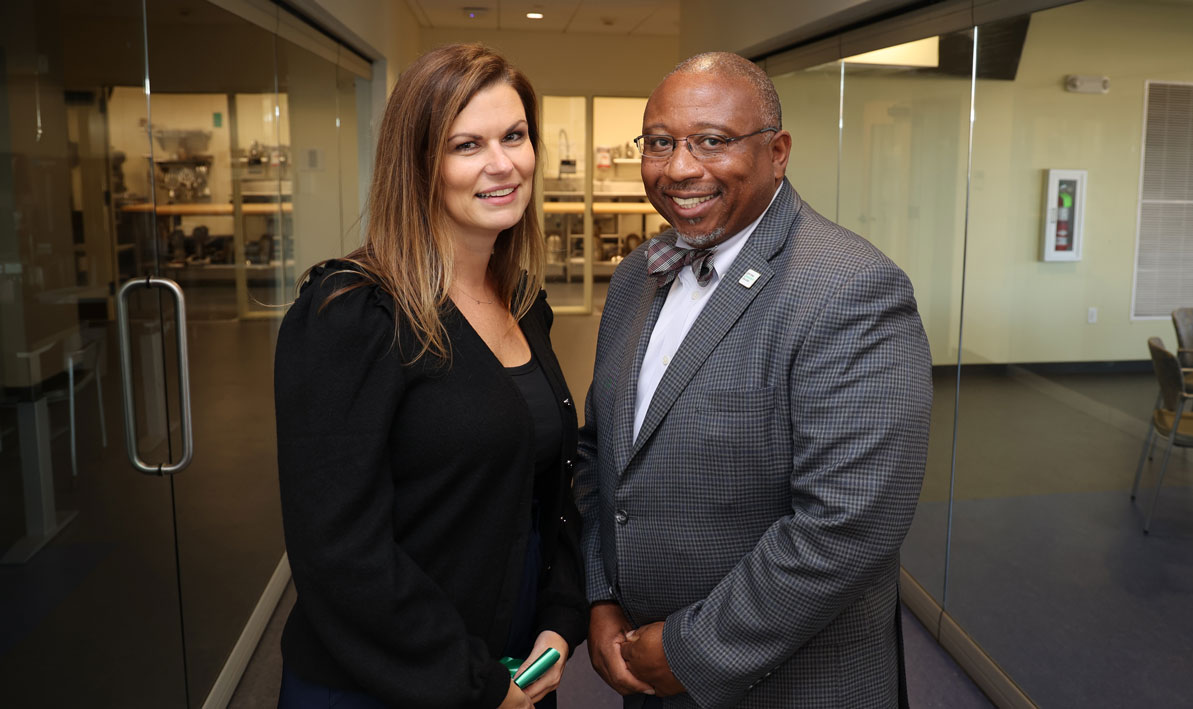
(703, 241)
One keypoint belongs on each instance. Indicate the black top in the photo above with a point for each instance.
(405, 500)
(548, 426)
(548, 432)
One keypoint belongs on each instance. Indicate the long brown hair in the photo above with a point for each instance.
(408, 247)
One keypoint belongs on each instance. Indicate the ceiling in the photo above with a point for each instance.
(624, 17)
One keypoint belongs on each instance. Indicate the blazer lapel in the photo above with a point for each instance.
(650, 302)
(726, 305)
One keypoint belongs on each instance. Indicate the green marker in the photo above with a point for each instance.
(537, 668)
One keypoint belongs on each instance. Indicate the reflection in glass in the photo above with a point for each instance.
(904, 153)
(1056, 390)
(111, 171)
(263, 187)
(86, 549)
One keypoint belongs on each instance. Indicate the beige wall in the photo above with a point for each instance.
(902, 173)
(751, 27)
(810, 101)
(905, 148)
(616, 121)
(1025, 310)
(563, 130)
(387, 25)
(576, 64)
(902, 181)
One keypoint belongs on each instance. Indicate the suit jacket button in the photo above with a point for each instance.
(621, 517)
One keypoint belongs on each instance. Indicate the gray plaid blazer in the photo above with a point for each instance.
(761, 509)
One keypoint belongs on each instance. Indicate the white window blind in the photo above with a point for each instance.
(1164, 243)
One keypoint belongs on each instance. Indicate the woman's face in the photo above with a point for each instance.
(488, 168)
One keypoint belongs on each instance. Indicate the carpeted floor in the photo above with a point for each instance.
(934, 681)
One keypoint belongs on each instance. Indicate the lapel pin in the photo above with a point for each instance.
(748, 278)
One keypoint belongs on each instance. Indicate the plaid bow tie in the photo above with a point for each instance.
(664, 260)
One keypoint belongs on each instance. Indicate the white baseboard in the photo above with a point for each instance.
(238, 659)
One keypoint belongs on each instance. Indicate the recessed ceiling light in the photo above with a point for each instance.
(474, 13)
(534, 15)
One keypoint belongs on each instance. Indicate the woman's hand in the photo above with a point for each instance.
(515, 698)
(549, 680)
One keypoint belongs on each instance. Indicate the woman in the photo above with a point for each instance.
(425, 432)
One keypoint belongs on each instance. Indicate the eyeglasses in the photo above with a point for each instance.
(700, 145)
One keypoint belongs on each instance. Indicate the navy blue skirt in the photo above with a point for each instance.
(298, 693)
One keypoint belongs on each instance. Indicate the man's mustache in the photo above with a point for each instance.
(684, 187)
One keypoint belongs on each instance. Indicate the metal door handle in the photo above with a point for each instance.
(184, 378)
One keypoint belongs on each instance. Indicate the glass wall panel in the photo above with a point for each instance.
(811, 109)
(564, 168)
(1056, 389)
(352, 189)
(904, 152)
(311, 84)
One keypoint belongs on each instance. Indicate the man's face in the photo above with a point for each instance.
(708, 200)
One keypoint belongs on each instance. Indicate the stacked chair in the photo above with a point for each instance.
(1182, 320)
(1172, 416)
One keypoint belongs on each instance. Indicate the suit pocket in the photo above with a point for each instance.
(743, 450)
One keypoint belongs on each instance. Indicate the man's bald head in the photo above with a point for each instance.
(725, 104)
(729, 65)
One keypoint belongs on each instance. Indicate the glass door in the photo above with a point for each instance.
(89, 589)
(221, 204)
(144, 145)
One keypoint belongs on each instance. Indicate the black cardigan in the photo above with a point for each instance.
(406, 491)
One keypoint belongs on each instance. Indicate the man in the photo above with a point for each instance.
(756, 429)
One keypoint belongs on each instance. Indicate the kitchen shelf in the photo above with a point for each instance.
(599, 208)
(190, 209)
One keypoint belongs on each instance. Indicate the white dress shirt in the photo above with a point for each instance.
(685, 300)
